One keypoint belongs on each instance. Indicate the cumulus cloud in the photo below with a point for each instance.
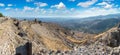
(16, 9)
(26, 8)
(96, 11)
(87, 3)
(2, 5)
(41, 4)
(10, 4)
(7, 8)
(37, 9)
(59, 6)
(105, 5)
(29, 0)
(108, 0)
(72, 9)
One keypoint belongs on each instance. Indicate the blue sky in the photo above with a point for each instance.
(59, 8)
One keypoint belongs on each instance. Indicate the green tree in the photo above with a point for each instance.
(1, 15)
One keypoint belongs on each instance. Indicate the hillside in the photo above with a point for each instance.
(21, 36)
(15, 33)
(93, 25)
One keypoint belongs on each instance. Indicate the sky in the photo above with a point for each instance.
(59, 8)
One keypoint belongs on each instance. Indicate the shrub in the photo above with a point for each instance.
(1, 15)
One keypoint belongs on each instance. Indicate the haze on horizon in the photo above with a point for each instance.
(59, 8)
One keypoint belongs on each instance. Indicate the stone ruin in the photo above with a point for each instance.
(24, 50)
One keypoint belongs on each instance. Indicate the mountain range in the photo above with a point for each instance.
(94, 25)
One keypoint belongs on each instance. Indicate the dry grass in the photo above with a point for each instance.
(77, 41)
(54, 44)
(98, 36)
(1, 32)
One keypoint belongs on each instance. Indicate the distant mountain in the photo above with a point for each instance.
(95, 24)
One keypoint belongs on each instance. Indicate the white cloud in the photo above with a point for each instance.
(10, 4)
(29, 0)
(7, 8)
(72, 0)
(59, 6)
(37, 9)
(75, 13)
(41, 4)
(26, 8)
(67, 13)
(116, 5)
(44, 11)
(16, 9)
(72, 9)
(105, 5)
(87, 3)
(96, 11)
(108, 0)
(2, 5)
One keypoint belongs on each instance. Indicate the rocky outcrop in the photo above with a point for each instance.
(111, 38)
(14, 34)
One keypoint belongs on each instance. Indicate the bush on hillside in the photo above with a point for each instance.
(1, 15)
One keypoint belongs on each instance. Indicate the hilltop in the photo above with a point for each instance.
(49, 38)
(15, 33)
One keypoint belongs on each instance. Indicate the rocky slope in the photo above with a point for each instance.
(107, 43)
(14, 34)
(51, 39)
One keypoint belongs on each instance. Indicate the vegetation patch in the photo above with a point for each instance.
(1, 15)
